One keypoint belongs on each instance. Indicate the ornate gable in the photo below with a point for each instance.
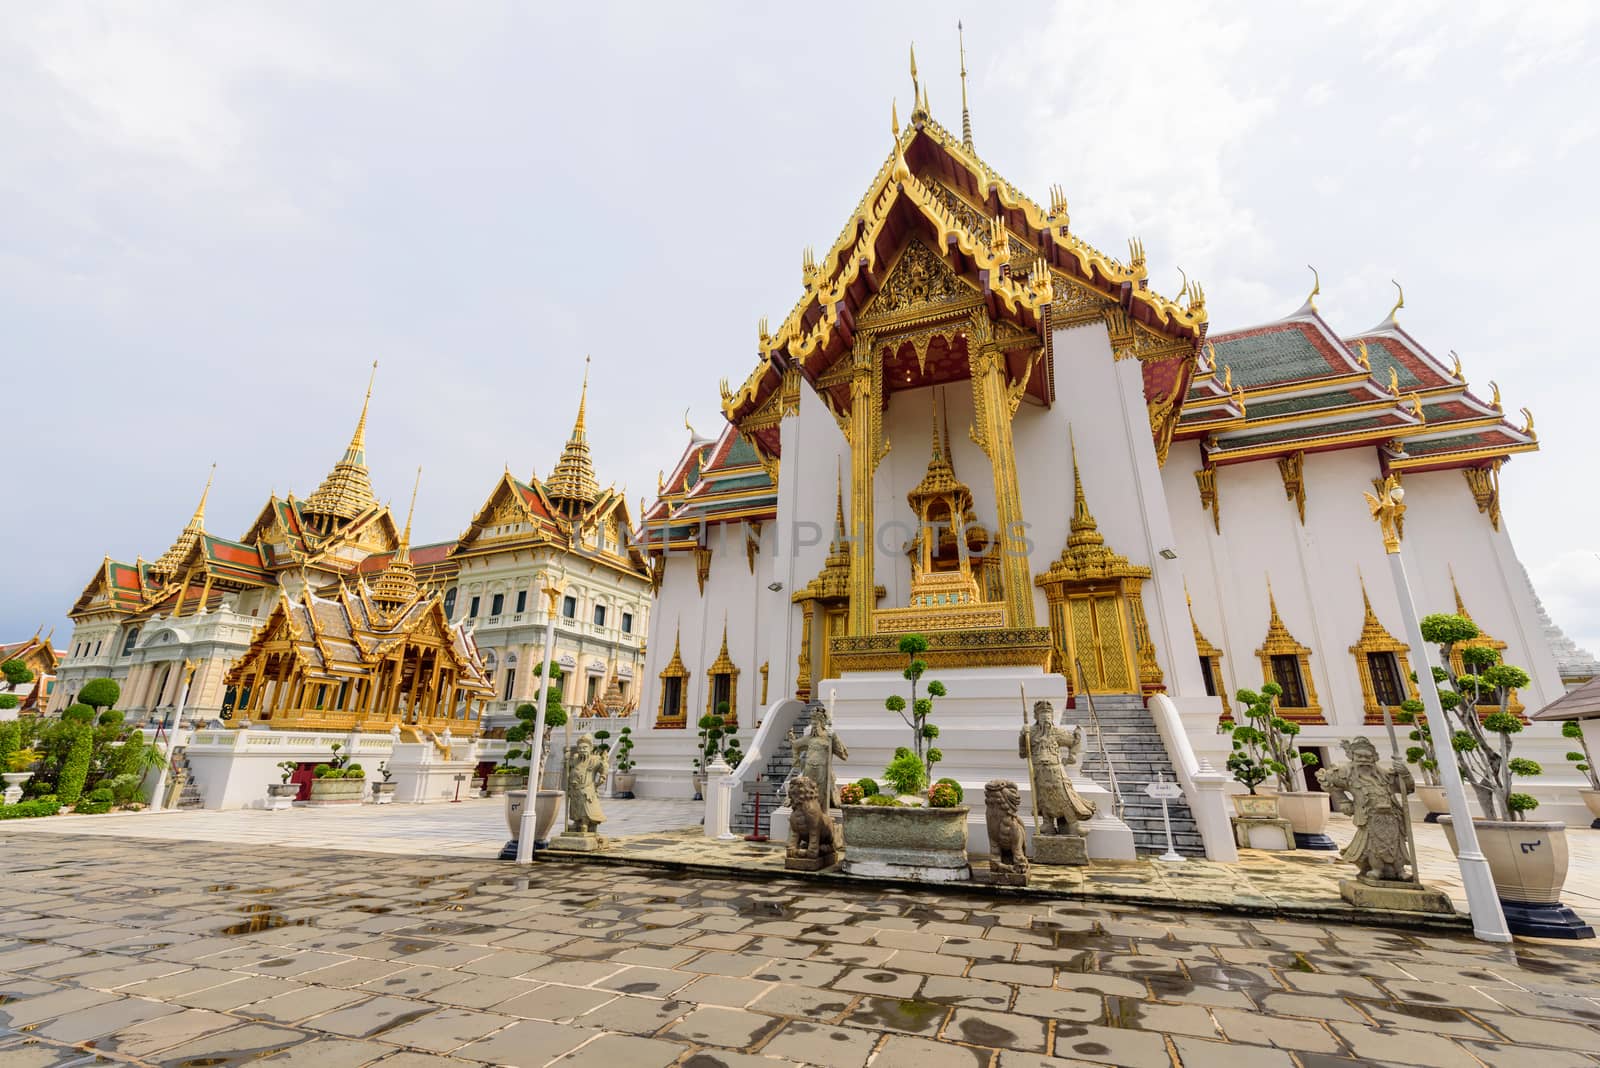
(920, 283)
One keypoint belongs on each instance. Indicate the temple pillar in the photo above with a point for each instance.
(866, 452)
(802, 681)
(993, 406)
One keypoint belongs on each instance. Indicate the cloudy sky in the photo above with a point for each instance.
(218, 215)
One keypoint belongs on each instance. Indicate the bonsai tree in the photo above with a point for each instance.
(731, 751)
(1420, 754)
(286, 769)
(528, 717)
(1581, 760)
(1482, 740)
(1263, 743)
(337, 761)
(99, 693)
(16, 674)
(602, 741)
(709, 740)
(919, 711)
(625, 750)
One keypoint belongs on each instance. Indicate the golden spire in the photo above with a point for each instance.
(347, 491)
(966, 117)
(167, 564)
(573, 480)
(396, 586)
(1085, 531)
(1461, 606)
(901, 172)
(839, 536)
(916, 90)
(1400, 302)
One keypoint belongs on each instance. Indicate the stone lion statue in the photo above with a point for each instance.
(811, 841)
(1008, 839)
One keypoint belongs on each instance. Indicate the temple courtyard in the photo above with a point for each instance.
(350, 937)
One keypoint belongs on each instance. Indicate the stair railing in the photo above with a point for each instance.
(1100, 739)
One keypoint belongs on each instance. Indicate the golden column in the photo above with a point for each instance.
(994, 401)
(866, 452)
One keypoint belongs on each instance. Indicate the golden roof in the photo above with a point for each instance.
(347, 491)
(169, 561)
(573, 479)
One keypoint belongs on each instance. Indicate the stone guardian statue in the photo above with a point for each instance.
(1373, 793)
(814, 754)
(1058, 807)
(585, 770)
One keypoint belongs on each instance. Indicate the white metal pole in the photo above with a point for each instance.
(1483, 903)
(536, 746)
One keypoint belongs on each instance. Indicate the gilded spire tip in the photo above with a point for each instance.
(966, 116)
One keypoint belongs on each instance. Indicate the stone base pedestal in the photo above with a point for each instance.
(1395, 896)
(982, 873)
(821, 862)
(577, 842)
(1259, 832)
(509, 850)
(1060, 849)
(1544, 921)
(276, 803)
(1315, 841)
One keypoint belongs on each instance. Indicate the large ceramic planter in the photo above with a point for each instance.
(337, 791)
(1256, 806)
(281, 795)
(501, 781)
(382, 792)
(545, 809)
(699, 786)
(1528, 862)
(923, 844)
(1591, 798)
(14, 781)
(1433, 799)
(622, 785)
(1307, 812)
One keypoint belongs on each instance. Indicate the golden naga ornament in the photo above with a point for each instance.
(1388, 508)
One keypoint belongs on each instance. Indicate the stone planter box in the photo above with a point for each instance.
(1433, 799)
(1307, 812)
(1256, 806)
(1528, 861)
(501, 781)
(281, 795)
(1591, 798)
(922, 844)
(337, 791)
(382, 792)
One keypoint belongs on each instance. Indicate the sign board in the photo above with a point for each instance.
(1166, 791)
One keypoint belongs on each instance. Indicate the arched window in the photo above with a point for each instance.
(130, 641)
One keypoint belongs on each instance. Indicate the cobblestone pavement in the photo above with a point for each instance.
(667, 830)
(199, 954)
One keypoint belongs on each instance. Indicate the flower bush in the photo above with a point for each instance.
(850, 794)
(944, 795)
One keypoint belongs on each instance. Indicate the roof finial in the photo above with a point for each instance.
(359, 442)
(405, 535)
(583, 400)
(1316, 288)
(1399, 303)
(933, 402)
(966, 117)
(916, 89)
(200, 509)
(901, 171)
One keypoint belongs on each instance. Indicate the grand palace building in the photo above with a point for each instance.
(975, 425)
(323, 614)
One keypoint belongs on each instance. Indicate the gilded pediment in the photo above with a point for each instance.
(919, 284)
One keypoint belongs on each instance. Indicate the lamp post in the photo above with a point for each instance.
(551, 591)
(1483, 904)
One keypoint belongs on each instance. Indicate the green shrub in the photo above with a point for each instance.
(101, 793)
(75, 769)
(99, 693)
(881, 801)
(16, 674)
(869, 787)
(111, 718)
(961, 795)
(321, 771)
(354, 772)
(907, 774)
(10, 742)
(39, 806)
(80, 713)
(348, 768)
(8, 701)
(125, 789)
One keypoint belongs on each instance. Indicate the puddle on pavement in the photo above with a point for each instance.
(902, 1015)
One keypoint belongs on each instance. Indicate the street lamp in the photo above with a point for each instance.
(1483, 904)
(552, 590)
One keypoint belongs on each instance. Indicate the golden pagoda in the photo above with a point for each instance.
(168, 563)
(347, 491)
(572, 486)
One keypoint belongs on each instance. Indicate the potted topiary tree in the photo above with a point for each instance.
(1572, 730)
(707, 745)
(383, 789)
(281, 794)
(1429, 790)
(1528, 859)
(1253, 759)
(547, 802)
(1274, 748)
(99, 694)
(337, 782)
(622, 781)
(915, 832)
(16, 673)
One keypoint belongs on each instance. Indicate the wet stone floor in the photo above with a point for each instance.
(201, 954)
